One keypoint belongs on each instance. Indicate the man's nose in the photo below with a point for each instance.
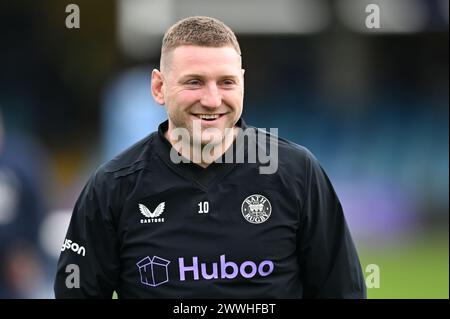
(211, 96)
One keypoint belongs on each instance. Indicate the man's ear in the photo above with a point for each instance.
(157, 86)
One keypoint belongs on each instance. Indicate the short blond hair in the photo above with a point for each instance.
(201, 31)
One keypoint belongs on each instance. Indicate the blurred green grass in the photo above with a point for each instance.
(415, 270)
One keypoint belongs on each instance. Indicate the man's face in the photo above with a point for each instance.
(202, 84)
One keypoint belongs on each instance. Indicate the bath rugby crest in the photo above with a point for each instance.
(256, 209)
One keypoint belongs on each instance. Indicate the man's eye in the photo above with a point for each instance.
(193, 82)
(228, 82)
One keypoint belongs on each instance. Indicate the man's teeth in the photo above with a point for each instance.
(208, 116)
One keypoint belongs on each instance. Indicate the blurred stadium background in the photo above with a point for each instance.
(372, 104)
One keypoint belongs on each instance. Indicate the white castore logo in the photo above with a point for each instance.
(152, 217)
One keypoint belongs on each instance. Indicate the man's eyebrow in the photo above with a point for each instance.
(195, 75)
(229, 76)
(192, 75)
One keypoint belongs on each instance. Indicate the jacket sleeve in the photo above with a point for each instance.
(329, 264)
(88, 266)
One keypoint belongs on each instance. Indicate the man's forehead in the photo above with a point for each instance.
(192, 55)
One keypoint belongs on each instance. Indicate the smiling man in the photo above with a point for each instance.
(149, 226)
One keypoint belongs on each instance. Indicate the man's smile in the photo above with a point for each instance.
(209, 119)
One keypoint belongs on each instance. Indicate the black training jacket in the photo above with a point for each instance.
(147, 227)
